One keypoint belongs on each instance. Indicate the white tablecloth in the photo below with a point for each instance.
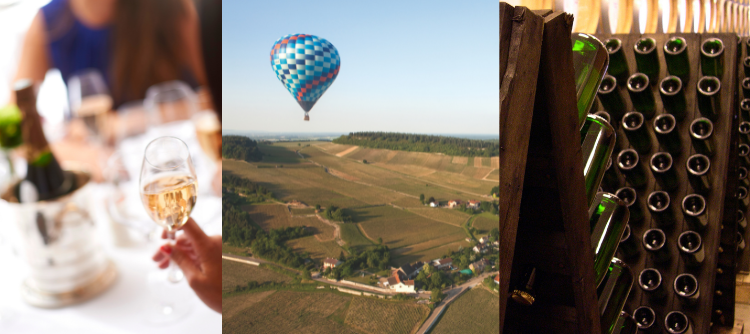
(122, 308)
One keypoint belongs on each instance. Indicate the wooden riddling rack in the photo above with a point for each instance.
(743, 263)
(721, 200)
(542, 200)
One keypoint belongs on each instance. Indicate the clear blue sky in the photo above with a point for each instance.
(406, 66)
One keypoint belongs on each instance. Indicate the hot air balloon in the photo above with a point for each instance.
(306, 65)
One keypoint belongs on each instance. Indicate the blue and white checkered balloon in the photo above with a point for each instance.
(306, 65)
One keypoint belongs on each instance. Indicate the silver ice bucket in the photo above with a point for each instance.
(67, 263)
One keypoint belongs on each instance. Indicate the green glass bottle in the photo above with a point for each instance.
(690, 245)
(676, 56)
(677, 322)
(613, 293)
(641, 95)
(745, 132)
(709, 97)
(664, 172)
(652, 284)
(701, 133)
(659, 204)
(746, 87)
(611, 98)
(590, 61)
(746, 66)
(694, 211)
(629, 245)
(665, 128)
(646, 58)
(597, 142)
(673, 96)
(712, 57)
(633, 123)
(698, 166)
(686, 288)
(618, 65)
(10, 127)
(630, 197)
(645, 317)
(629, 163)
(625, 325)
(608, 218)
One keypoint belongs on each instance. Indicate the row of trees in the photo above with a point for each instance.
(422, 143)
(378, 257)
(240, 148)
(240, 231)
(233, 184)
(335, 213)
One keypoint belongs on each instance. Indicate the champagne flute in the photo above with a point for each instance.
(90, 101)
(168, 187)
(170, 101)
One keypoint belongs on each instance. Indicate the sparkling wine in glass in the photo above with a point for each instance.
(168, 188)
(90, 101)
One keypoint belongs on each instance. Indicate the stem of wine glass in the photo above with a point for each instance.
(174, 274)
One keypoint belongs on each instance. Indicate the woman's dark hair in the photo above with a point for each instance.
(210, 12)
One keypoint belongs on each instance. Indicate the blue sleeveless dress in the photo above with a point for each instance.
(72, 46)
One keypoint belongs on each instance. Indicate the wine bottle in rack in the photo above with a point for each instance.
(659, 204)
(694, 211)
(741, 221)
(641, 95)
(590, 61)
(613, 293)
(686, 288)
(634, 172)
(709, 97)
(745, 132)
(650, 281)
(677, 322)
(597, 142)
(745, 92)
(625, 325)
(746, 66)
(635, 130)
(744, 153)
(629, 245)
(744, 181)
(701, 133)
(673, 96)
(745, 104)
(676, 56)
(740, 242)
(630, 197)
(743, 198)
(610, 98)
(646, 58)
(712, 57)
(665, 126)
(698, 166)
(618, 65)
(690, 245)
(608, 218)
(43, 172)
(610, 181)
(664, 172)
(655, 243)
(645, 318)
(524, 292)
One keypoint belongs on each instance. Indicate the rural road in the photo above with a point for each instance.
(451, 295)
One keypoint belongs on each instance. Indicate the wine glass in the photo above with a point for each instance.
(90, 101)
(170, 101)
(168, 187)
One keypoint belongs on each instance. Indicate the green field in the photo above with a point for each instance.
(376, 316)
(476, 311)
(319, 312)
(485, 223)
(235, 273)
(277, 153)
(382, 197)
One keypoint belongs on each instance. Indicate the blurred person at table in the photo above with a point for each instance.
(134, 44)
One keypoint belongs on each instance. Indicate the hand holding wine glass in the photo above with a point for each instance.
(197, 255)
(168, 187)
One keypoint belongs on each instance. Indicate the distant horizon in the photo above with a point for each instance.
(329, 133)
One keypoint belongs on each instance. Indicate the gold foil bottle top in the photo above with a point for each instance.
(35, 142)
